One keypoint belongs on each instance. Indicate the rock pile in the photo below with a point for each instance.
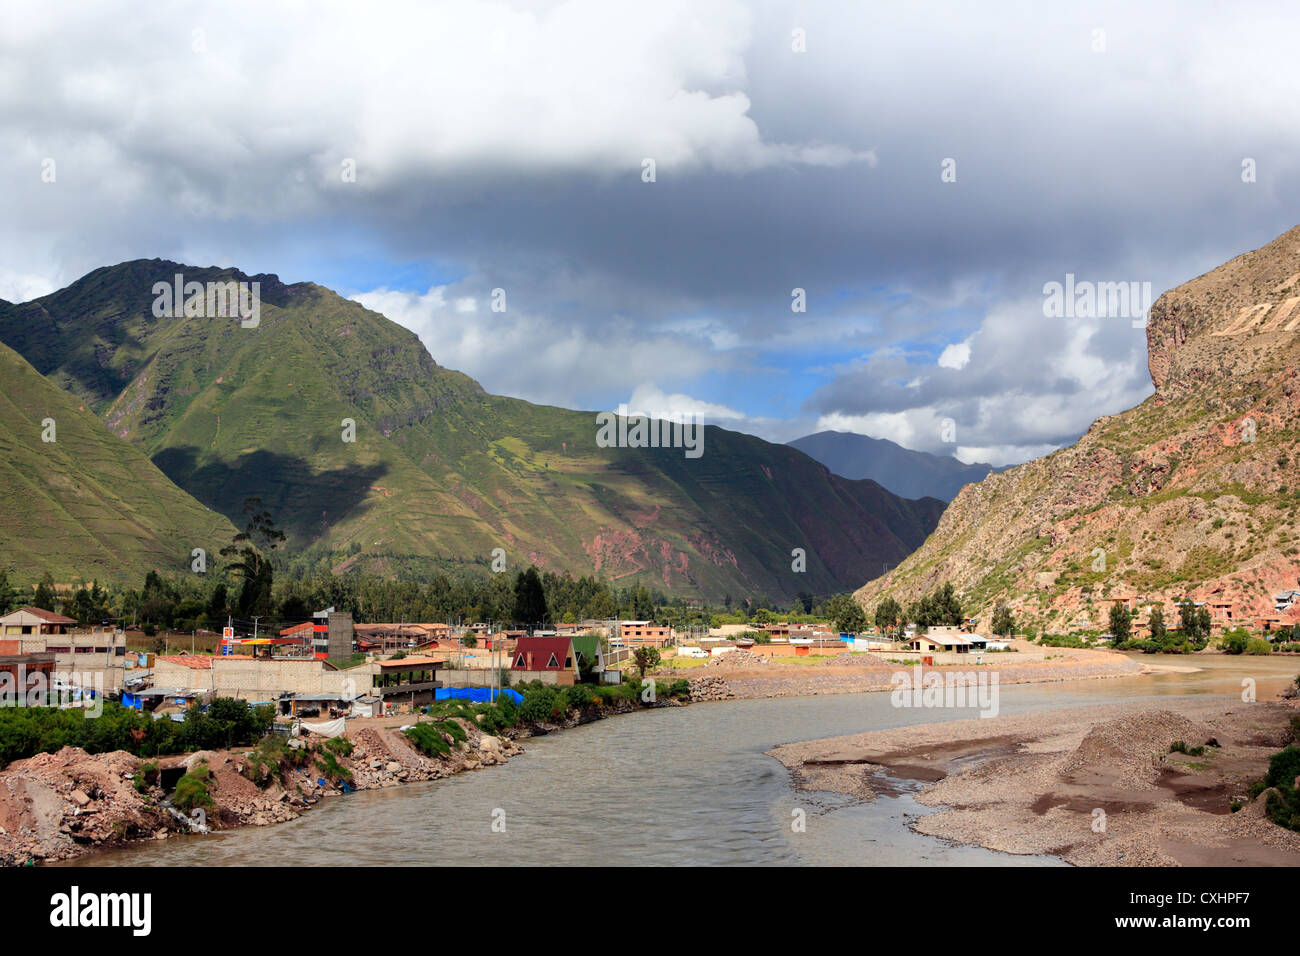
(709, 687)
(739, 658)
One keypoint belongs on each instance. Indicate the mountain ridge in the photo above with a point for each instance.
(901, 470)
(1195, 491)
(438, 470)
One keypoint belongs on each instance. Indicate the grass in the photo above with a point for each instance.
(229, 413)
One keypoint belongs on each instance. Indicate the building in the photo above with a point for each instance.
(32, 622)
(1284, 600)
(551, 660)
(632, 633)
(1221, 612)
(90, 657)
(261, 678)
(407, 680)
(26, 679)
(938, 639)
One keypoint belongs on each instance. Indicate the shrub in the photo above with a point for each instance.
(1258, 646)
(1283, 768)
(539, 704)
(340, 746)
(427, 739)
(328, 764)
(579, 695)
(192, 790)
(1235, 641)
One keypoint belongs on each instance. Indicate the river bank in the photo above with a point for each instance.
(745, 676)
(1095, 786)
(61, 805)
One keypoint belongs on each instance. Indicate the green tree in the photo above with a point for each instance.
(1156, 622)
(646, 657)
(1235, 641)
(44, 596)
(889, 616)
(1004, 624)
(1121, 623)
(847, 614)
(643, 606)
(249, 562)
(1194, 621)
(530, 600)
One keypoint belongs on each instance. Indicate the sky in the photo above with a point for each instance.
(919, 171)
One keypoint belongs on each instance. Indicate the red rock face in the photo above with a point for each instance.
(1194, 492)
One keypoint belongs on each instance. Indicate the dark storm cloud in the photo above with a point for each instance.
(512, 158)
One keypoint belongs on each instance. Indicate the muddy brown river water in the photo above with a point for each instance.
(690, 785)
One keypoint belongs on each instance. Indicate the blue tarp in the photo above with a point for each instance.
(479, 695)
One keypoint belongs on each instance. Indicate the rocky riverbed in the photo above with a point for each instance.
(1095, 785)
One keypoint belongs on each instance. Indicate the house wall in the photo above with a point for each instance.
(555, 678)
(262, 679)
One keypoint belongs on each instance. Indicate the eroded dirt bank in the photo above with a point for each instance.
(1095, 785)
(59, 805)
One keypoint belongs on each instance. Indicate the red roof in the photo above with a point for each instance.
(48, 617)
(304, 627)
(547, 654)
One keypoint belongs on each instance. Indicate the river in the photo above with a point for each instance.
(689, 785)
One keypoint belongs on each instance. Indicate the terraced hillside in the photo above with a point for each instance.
(440, 472)
(86, 505)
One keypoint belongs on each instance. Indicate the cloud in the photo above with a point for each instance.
(535, 356)
(649, 399)
(955, 356)
(500, 145)
(21, 286)
(1019, 374)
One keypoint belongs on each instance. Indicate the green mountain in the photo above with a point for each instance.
(440, 472)
(86, 505)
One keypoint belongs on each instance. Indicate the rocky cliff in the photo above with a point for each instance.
(1195, 491)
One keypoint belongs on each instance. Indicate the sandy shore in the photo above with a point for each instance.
(738, 676)
(1096, 786)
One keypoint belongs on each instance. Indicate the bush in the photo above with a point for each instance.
(192, 790)
(328, 764)
(147, 776)
(267, 761)
(1235, 641)
(427, 739)
(1258, 647)
(579, 695)
(1180, 747)
(539, 704)
(1283, 768)
(339, 746)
